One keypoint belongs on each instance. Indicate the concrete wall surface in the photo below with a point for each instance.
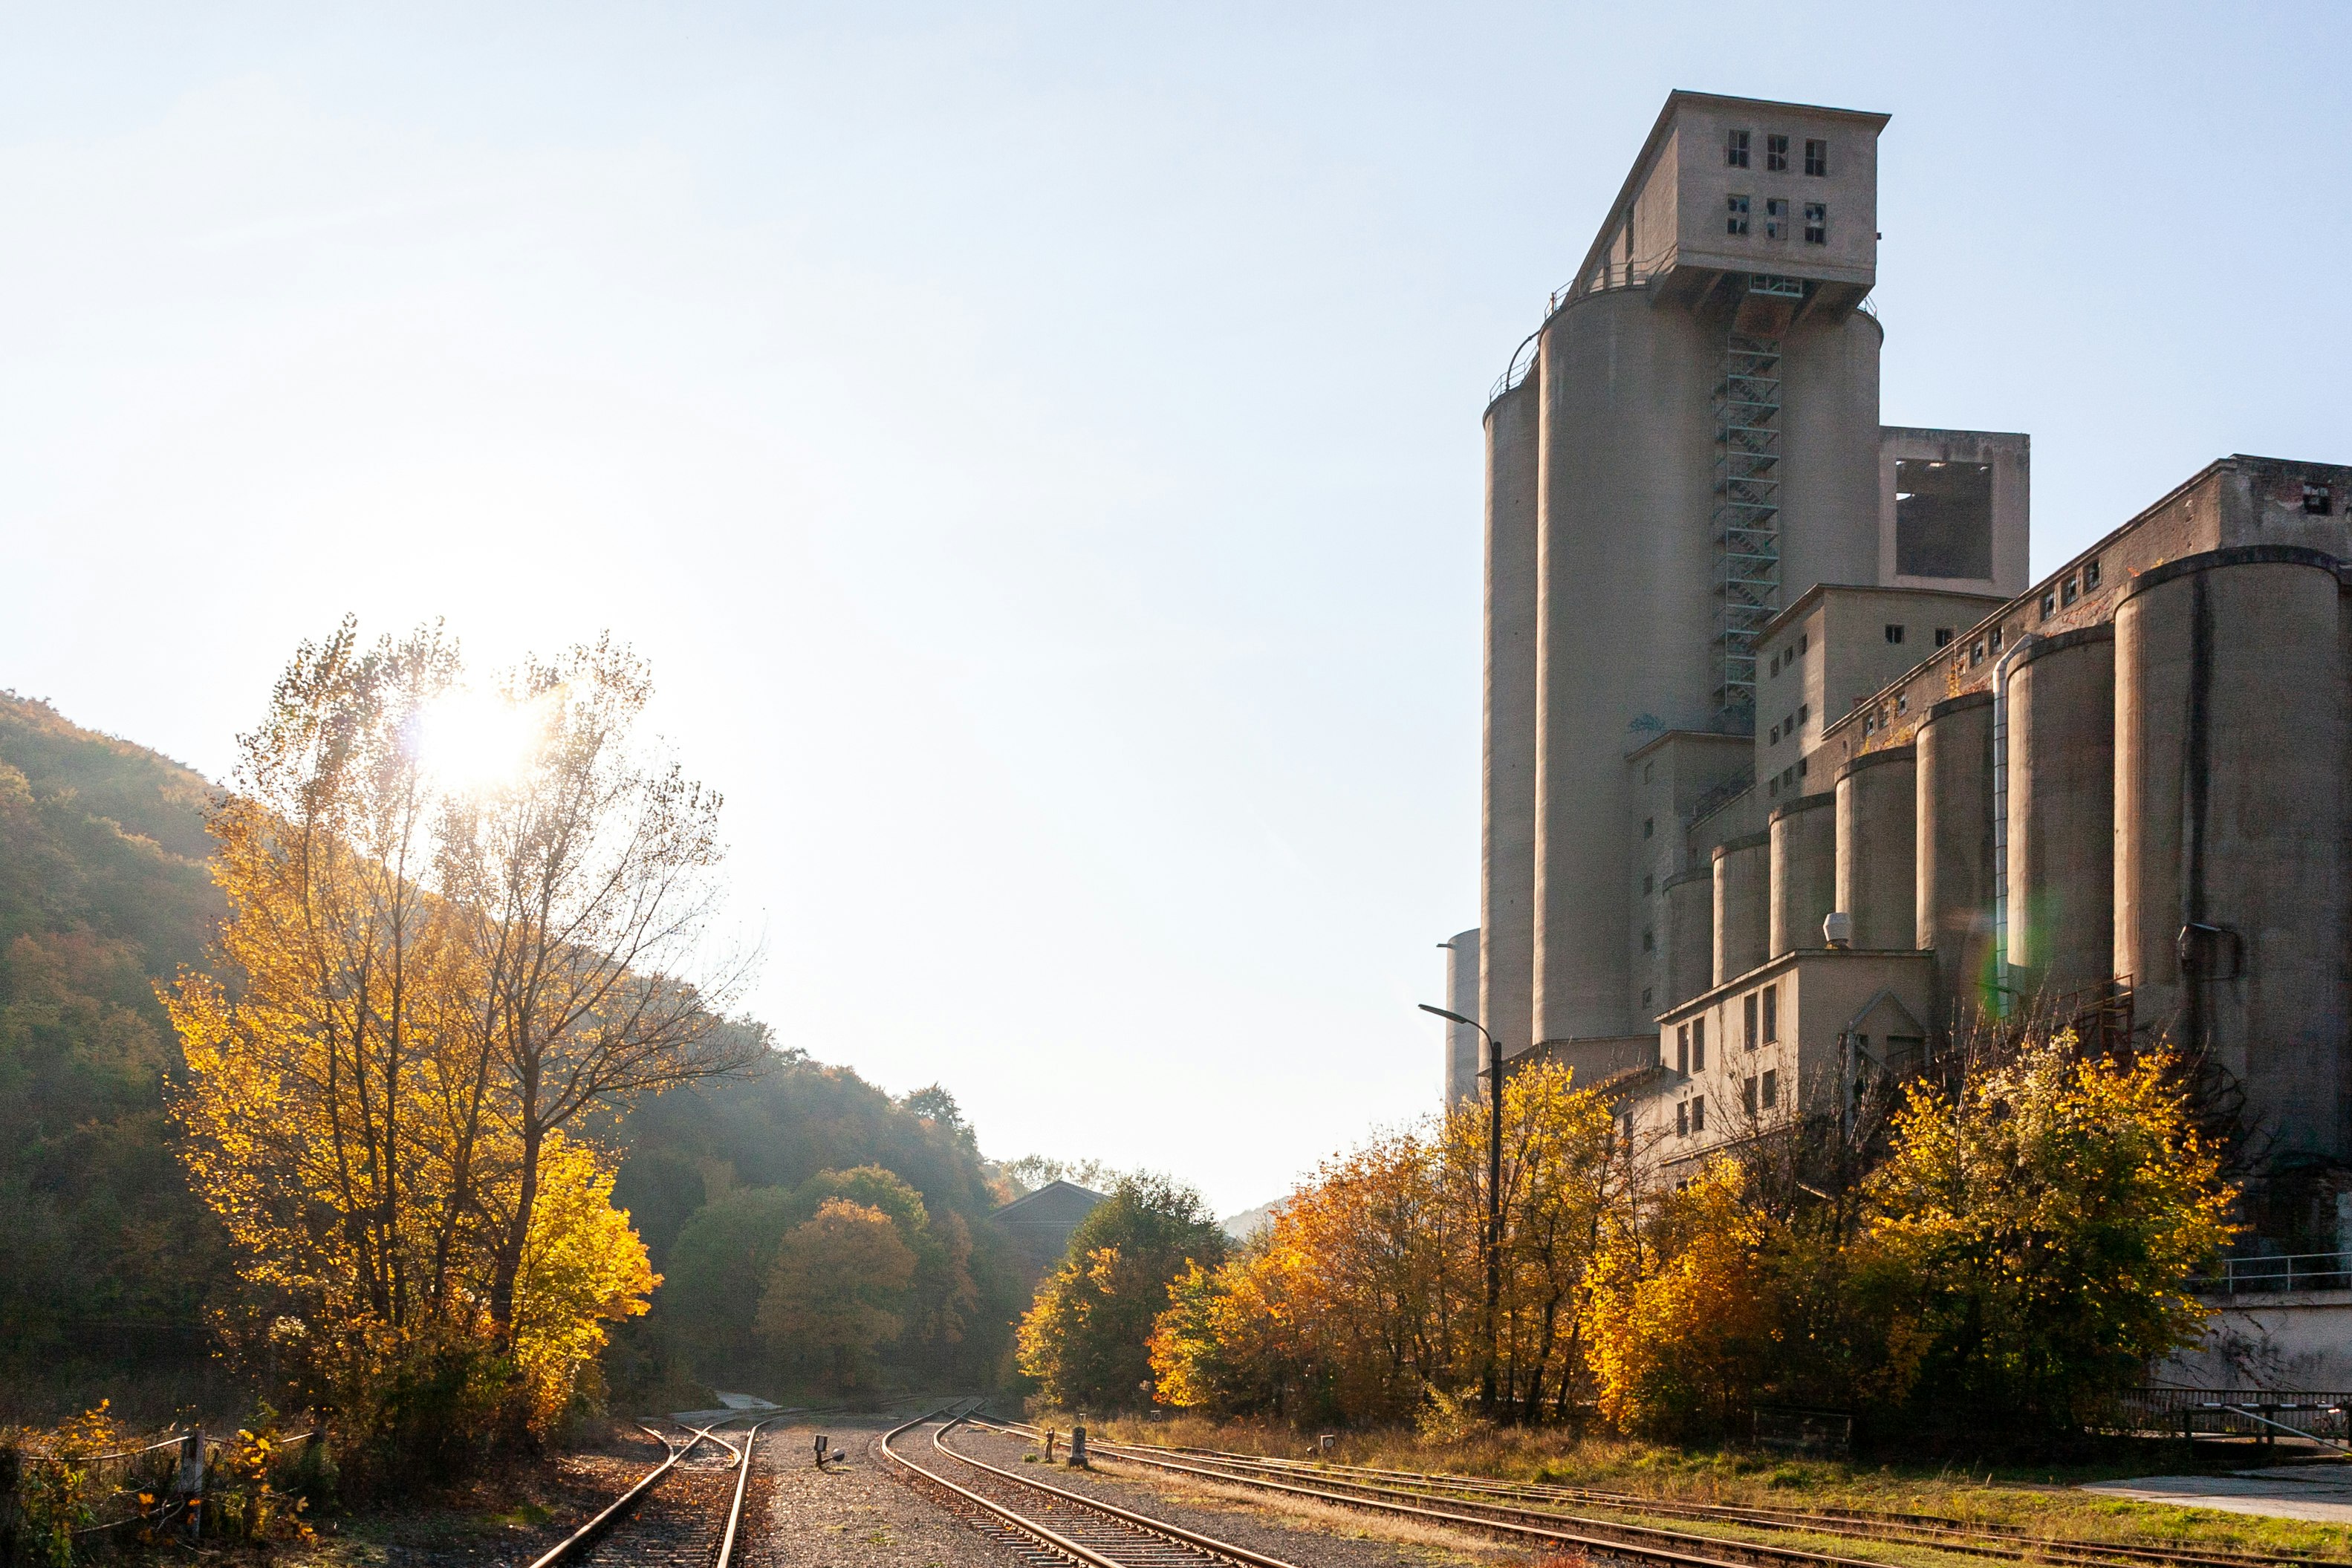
(2299, 1341)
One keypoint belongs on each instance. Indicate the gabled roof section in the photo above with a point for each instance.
(1054, 1201)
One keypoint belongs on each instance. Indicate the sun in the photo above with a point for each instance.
(472, 742)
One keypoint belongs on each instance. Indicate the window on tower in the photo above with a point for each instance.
(1735, 149)
(1735, 217)
(1775, 153)
(1817, 157)
(1817, 223)
(1776, 219)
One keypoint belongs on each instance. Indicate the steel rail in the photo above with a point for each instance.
(1957, 1536)
(1930, 1530)
(1044, 1534)
(587, 1535)
(743, 1483)
(1615, 1543)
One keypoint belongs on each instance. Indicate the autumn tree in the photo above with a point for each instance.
(584, 878)
(385, 1072)
(2034, 1232)
(837, 1292)
(1085, 1339)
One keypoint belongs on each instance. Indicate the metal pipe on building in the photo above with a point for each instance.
(2230, 906)
(1743, 905)
(1877, 847)
(2061, 788)
(1954, 850)
(1803, 871)
(1505, 967)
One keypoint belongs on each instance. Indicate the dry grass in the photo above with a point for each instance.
(2040, 1501)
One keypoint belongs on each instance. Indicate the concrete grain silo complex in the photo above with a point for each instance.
(1762, 674)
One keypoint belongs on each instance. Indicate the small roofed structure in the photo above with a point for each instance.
(1038, 1225)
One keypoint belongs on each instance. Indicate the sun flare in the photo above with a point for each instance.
(474, 741)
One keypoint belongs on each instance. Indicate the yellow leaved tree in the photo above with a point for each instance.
(390, 1042)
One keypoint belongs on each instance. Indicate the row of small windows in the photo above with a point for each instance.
(2072, 587)
(1737, 211)
(1787, 657)
(1793, 723)
(1755, 1094)
(1736, 145)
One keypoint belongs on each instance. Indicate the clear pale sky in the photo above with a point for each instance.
(1037, 446)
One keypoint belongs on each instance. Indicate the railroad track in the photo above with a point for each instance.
(1052, 1527)
(1535, 1510)
(693, 1525)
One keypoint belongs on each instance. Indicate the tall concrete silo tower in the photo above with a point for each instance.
(1689, 441)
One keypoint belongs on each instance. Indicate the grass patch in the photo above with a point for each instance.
(2036, 1499)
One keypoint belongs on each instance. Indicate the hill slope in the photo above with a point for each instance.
(105, 1260)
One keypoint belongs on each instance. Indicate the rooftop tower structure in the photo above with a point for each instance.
(1687, 442)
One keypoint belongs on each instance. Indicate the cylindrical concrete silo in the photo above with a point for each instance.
(1463, 1043)
(1804, 871)
(1690, 937)
(1953, 913)
(1626, 492)
(1743, 905)
(1631, 556)
(1829, 453)
(2062, 805)
(2230, 732)
(1877, 847)
(1507, 775)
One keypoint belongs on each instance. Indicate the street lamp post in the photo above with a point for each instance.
(1494, 1248)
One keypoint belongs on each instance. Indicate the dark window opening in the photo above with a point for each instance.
(1804, 713)
(1682, 1049)
(1771, 1014)
(1682, 1120)
(1803, 638)
(1771, 1088)
(2318, 501)
(1894, 632)
(2090, 576)
(1748, 1021)
(1817, 223)
(1996, 639)
(1817, 157)
(1645, 998)
(1787, 778)
(1943, 519)
(1698, 1113)
(1976, 653)
(1735, 149)
(1748, 1095)
(2049, 605)
(1649, 826)
(1775, 153)
(1646, 881)
(1776, 219)
(1772, 787)
(2067, 592)
(1735, 217)
(1801, 764)
(1698, 1045)
(1649, 942)
(1943, 636)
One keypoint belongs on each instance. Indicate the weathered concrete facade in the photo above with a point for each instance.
(1771, 701)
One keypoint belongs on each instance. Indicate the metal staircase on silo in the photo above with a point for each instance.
(1746, 517)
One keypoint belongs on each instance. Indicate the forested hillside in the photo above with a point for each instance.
(750, 1192)
(106, 1260)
